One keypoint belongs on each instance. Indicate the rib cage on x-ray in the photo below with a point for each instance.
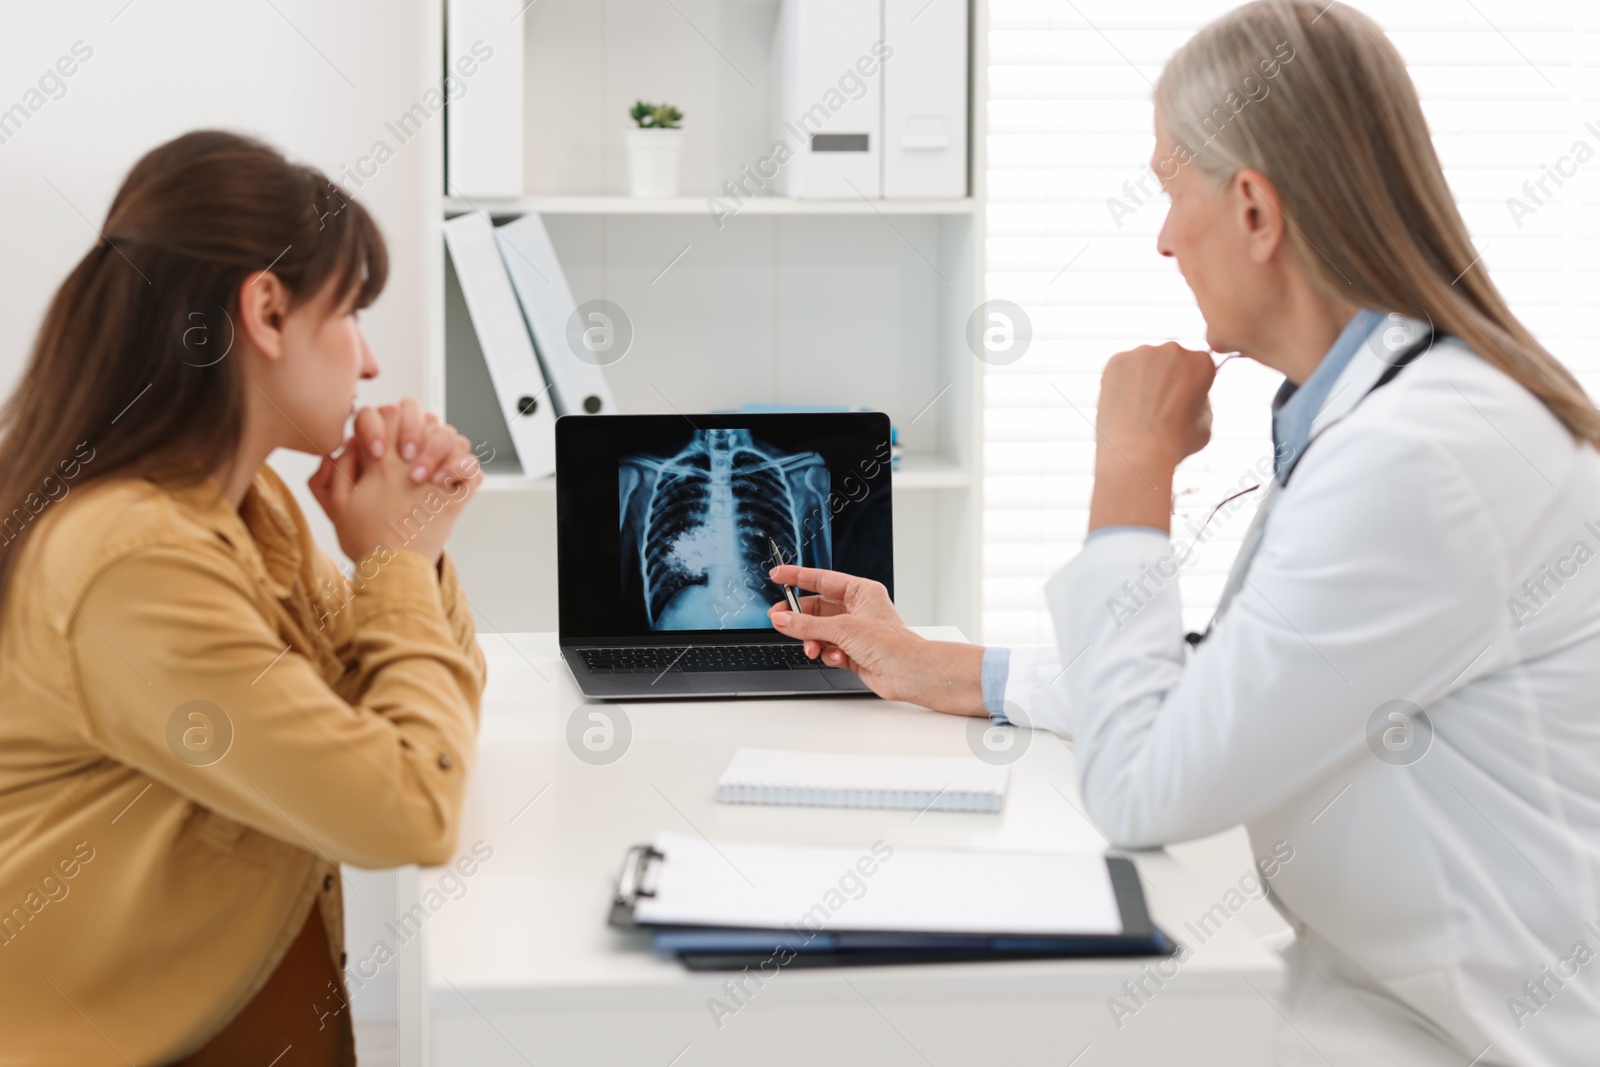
(700, 521)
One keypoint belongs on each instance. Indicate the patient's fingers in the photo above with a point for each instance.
(412, 421)
(371, 432)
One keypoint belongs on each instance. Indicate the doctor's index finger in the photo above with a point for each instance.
(826, 629)
(831, 584)
(1200, 362)
(810, 605)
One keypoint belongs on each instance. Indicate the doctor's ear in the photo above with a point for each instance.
(1259, 211)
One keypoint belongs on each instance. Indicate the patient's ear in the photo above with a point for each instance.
(1259, 212)
(263, 306)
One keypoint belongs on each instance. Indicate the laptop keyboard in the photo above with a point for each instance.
(656, 659)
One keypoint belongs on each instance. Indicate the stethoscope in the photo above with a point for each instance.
(1403, 359)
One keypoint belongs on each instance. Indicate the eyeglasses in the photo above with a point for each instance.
(1199, 534)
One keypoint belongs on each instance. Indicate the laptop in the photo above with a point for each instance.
(665, 531)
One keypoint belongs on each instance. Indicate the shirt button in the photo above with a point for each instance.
(327, 883)
(445, 762)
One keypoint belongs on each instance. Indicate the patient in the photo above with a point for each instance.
(203, 718)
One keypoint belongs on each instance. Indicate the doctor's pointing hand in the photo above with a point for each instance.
(1153, 413)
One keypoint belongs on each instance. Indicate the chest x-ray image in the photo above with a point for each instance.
(695, 527)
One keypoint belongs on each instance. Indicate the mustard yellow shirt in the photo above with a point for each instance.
(201, 718)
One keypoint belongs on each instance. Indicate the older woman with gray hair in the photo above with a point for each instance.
(1402, 678)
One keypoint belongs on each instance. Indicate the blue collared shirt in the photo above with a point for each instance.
(1294, 409)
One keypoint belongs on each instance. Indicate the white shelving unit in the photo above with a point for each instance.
(687, 205)
(860, 302)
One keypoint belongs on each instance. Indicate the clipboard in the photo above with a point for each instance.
(720, 945)
(631, 887)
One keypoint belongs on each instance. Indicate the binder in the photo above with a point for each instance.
(507, 350)
(484, 87)
(925, 100)
(836, 139)
(578, 386)
(851, 780)
(728, 906)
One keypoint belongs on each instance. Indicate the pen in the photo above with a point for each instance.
(790, 593)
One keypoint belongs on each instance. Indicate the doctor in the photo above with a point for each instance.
(1403, 678)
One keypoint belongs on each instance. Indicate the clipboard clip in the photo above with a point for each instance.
(636, 868)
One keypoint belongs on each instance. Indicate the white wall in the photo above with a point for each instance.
(318, 80)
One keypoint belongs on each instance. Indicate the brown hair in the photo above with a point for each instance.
(1318, 100)
(131, 359)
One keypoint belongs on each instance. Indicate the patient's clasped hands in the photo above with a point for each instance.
(401, 480)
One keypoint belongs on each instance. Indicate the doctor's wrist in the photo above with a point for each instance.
(950, 678)
(1131, 490)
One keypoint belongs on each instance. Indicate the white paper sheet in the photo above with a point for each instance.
(878, 888)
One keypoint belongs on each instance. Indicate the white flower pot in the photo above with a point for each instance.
(653, 161)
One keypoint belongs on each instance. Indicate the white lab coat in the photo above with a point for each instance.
(1423, 894)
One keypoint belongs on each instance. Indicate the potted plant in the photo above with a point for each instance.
(654, 146)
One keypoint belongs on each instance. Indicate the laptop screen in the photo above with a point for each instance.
(665, 522)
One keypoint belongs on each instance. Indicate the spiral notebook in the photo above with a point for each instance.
(848, 780)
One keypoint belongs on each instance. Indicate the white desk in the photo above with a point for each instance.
(522, 968)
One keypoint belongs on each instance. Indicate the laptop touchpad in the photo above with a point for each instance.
(756, 681)
(667, 683)
(846, 680)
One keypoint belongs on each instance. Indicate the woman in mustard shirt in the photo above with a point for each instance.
(202, 716)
